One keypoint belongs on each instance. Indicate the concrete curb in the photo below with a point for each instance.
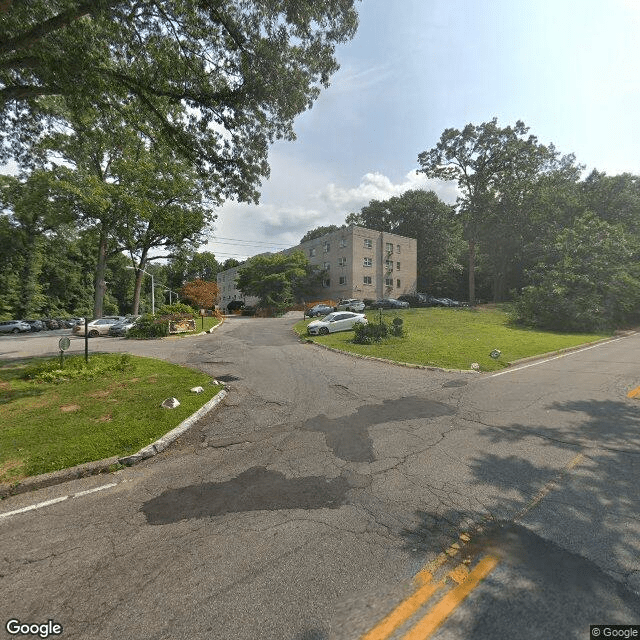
(411, 365)
(105, 465)
(407, 365)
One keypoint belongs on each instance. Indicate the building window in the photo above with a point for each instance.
(327, 266)
(367, 243)
(389, 265)
(312, 252)
(367, 262)
(343, 279)
(342, 262)
(398, 266)
(327, 247)
(388, 282)
(389, 247)
(326, 282)
(366, 280)
(397, 248)
(343, 242)
(398, 283)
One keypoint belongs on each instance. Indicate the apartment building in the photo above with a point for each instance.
(357, 263)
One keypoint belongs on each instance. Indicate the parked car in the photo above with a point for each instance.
(390, 303)
(357, 306)
(50, 323)
(336, 321)
(36, 325)
(98, 327)
(121, 327)
(414, 299)
(14, 326)
(319, 310)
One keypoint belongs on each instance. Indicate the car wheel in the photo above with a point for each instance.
(15, 331)
(323, 331)
(93, 333)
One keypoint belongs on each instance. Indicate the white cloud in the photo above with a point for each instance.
(270, 226)
(376, 186)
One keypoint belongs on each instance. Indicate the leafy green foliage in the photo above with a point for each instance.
(273, 278)
(588, 281)
(494, 168)
(216, 81)
(75, 368)
(149, 326)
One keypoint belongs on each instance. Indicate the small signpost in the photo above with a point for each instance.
(63, 345)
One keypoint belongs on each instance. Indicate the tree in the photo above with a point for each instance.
(319, 232)
(421, 215)
(34, 212)
(589, 279)
(203, 295)
(491, 165)
(140, 196)
(216, 81)
(229, 263)
(273, 278)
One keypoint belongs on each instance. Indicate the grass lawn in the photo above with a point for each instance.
(454, 338)
(55, 420)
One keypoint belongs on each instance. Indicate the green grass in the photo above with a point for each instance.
(54, 421)
(454, 338)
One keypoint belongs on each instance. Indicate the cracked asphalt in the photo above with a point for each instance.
(304, 506)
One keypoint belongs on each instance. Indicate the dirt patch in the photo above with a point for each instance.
(68, 408)
(5, 386)
(8, 471)
(99, 394)
(106, 418)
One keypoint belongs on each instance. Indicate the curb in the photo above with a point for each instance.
(105, 465)
(407, 365)
(411, 365)
(622, 334)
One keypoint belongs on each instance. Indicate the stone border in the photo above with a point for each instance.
(412, 365)
(103, 466)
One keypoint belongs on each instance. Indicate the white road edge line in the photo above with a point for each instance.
(32, 507)
(562, 355)
(104, 486)
(46, 503)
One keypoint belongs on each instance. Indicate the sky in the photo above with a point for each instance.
(567, 68)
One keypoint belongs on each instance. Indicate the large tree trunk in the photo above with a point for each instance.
(472, 274)
(138, 285)
(101, 269)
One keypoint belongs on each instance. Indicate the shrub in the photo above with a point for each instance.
(370, 333)
(150, 326)
(176, 307)
(397, 328)
(75, 368)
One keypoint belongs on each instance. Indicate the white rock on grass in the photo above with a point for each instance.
(170, 403)
(475, 366)
(196, 389)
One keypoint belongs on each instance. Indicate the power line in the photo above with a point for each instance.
(256, 242)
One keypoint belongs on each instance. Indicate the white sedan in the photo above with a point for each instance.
(336, 321)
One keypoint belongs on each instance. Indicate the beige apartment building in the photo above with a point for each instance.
(357, 263)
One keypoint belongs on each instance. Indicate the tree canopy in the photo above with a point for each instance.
(492, 165)
(274, 278)
(216, 81)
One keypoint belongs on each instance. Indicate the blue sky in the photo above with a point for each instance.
(568, 69)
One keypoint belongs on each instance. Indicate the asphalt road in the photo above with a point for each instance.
(335, 497)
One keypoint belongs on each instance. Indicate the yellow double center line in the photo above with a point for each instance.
(466, 582)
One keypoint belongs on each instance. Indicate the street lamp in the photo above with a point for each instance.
(153, 290)
(170, 292)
